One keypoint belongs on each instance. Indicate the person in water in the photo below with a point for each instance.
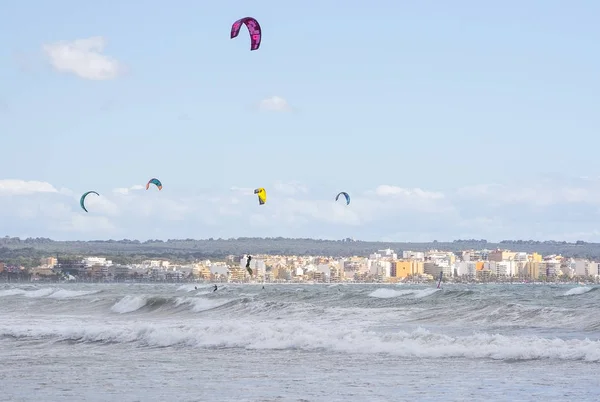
(215, 289)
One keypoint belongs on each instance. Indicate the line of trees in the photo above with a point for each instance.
(27, 252)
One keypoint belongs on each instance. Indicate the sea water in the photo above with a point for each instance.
(291, 342)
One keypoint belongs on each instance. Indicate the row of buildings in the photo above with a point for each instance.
(381, 266)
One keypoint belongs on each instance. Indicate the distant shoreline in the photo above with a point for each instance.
(399, 284)
(191, 249)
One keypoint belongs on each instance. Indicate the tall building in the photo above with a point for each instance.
(69, 265)
(404, 268)
(501, 255)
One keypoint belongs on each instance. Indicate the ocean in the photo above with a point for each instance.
(291, 342)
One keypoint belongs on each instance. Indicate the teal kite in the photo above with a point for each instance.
(345, 194)
(82, 199)
(156, 182)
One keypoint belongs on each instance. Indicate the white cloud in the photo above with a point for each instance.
(293, 211)
(101, 205)
(84, 58)
(242, 190)
(66, 191)
(275, 104)
(23, 187)
(290, 188)
(88, 225)
(387, 190)
(127, 190)
(121, 190)
(385, 211)
(543, 193)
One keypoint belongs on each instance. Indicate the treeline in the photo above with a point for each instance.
(27, 252)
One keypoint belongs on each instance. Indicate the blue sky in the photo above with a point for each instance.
(422, 97)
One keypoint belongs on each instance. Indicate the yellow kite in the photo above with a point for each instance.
(262, 195)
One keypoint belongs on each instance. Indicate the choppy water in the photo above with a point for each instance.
(141, 342)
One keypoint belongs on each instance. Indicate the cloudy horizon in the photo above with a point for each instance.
(550, 210)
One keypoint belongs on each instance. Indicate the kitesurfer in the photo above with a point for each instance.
(215, 289)
(248, 264)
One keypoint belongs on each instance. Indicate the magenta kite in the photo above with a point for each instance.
(253, 28)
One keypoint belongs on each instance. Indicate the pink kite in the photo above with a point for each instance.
(253, 28)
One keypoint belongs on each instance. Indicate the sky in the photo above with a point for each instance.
(442, 120)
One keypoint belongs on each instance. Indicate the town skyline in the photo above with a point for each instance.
(381, 266)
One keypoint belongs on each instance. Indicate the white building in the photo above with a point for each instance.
(465, 268)
(380, 268)
(324, 269)
(502, 268)
(552, 268)
(593, 269)
(579, 266)
(413, 255)
(442, 259)
(156, 263)
(219, 269)
(388, 254)
(521, 256)
(95, 261)
(583, 267)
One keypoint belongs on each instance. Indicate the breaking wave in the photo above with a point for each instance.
(473, 322)
(388, 293)
(578, 291)
(420, 342)
(54, 293)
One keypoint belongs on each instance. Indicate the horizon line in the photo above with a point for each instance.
(348, 239)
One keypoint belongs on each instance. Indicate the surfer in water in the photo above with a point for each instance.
(215, 289)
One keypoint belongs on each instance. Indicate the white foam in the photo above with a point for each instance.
(67, 294)
(306, 335)
(38, 293)
(11, 292)
(425, 292)
(54, 293)
(200, 304)
(187, 288)
(385, 293)
(129, 304)
(577, 291)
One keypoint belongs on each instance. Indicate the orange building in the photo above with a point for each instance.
(404, 268)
